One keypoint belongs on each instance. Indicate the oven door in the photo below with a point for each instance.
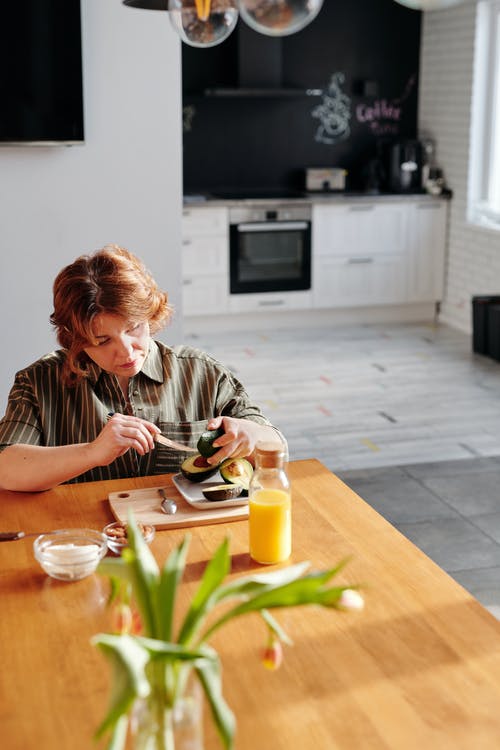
(270, 256)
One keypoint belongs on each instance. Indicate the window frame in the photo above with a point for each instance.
(484, 197)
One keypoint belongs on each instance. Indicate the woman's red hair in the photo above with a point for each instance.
(112, 281)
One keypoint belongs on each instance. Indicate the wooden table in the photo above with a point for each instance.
(419, 667)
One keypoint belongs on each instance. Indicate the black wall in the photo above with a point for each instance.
(363, 55)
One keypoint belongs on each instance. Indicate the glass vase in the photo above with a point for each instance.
(157, 726)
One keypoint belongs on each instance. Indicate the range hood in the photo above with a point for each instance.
(260, 69)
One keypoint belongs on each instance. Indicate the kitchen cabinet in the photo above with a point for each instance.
(365, 253)
(427, 222)
(379, 253)
(270, 301)
(359, 281)
(359, 254)
(205, 265)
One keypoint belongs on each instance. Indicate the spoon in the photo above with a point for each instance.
(168, 505)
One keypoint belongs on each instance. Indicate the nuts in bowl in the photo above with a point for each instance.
(116, 535)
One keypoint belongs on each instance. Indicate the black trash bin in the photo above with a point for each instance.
(480, 322)
(494, 331)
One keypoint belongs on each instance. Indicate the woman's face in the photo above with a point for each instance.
(122, 345)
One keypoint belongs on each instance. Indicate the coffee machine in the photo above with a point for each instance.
(404, 160)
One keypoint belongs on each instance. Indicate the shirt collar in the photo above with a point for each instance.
(152, 367)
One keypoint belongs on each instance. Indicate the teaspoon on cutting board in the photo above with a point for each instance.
(168, 505)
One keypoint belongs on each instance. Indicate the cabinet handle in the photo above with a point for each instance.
(271, 302)
(364, 207)
(360, 260)
(186, 242)
(187, 282)
(278, 226)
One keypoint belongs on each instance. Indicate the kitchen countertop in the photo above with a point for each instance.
(206, 199)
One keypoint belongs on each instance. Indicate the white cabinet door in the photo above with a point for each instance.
(427, 242)
(205, 295)
(270, 301)
(205, 221)
(363, 229)
(205, 261)
(205, 256)
(360, 254)
(359, 282)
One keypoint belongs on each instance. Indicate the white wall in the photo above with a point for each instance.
(447, 56)
(124, 185)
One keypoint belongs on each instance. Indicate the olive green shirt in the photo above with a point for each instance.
(178, 389)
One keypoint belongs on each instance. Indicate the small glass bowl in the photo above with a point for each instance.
(70, 554)
(116, 535)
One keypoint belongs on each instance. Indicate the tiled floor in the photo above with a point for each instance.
(450, 509)
(406, 415)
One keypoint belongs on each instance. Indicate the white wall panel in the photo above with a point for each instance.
(124, 185)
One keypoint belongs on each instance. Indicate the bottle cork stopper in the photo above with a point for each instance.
(269, 454)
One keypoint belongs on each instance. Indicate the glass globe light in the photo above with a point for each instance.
(278, 17)
(203, 23)
(429, 4)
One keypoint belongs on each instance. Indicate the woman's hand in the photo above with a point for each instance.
(239, 438)
(33, 468)
(120, 434)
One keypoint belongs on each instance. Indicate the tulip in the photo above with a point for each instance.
(272, 656)
(351, 600)
(126, 620)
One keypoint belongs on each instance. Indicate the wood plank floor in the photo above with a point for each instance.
(406, 415)
(366, 396)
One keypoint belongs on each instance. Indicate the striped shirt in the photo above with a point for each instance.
(178, 389)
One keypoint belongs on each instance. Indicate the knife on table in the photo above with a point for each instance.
(166, 441)
(12, 536)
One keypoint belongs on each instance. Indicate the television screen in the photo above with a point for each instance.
(41, 92)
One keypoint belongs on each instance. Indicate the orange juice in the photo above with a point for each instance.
(270, 525)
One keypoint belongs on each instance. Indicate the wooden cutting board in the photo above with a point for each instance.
(145, 504)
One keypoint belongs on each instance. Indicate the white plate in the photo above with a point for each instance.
(192, 492)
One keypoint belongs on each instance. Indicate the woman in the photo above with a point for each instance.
(57, 426)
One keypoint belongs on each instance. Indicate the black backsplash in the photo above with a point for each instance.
(363, 55)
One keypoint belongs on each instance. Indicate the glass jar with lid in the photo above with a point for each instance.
(270, 506)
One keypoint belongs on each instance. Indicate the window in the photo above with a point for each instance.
(484, 183)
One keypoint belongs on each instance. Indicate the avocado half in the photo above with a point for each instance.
(204, 444)
(237, 471)
(223, 492)
(196, 469)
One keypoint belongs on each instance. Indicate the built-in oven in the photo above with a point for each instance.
(270, 248)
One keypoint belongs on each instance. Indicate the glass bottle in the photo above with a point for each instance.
(270, 507)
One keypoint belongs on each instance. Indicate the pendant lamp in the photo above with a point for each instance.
(279, 17)
(429, 4)
(205, 23)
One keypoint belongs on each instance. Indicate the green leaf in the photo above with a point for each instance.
(167, 589)
(119, 735)
(247, 585)
(209, 673)
(214, 574)
(144, 576)
(128, 659)
(163, 650)
(309, 589)
(115, 567)
(275, 627)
